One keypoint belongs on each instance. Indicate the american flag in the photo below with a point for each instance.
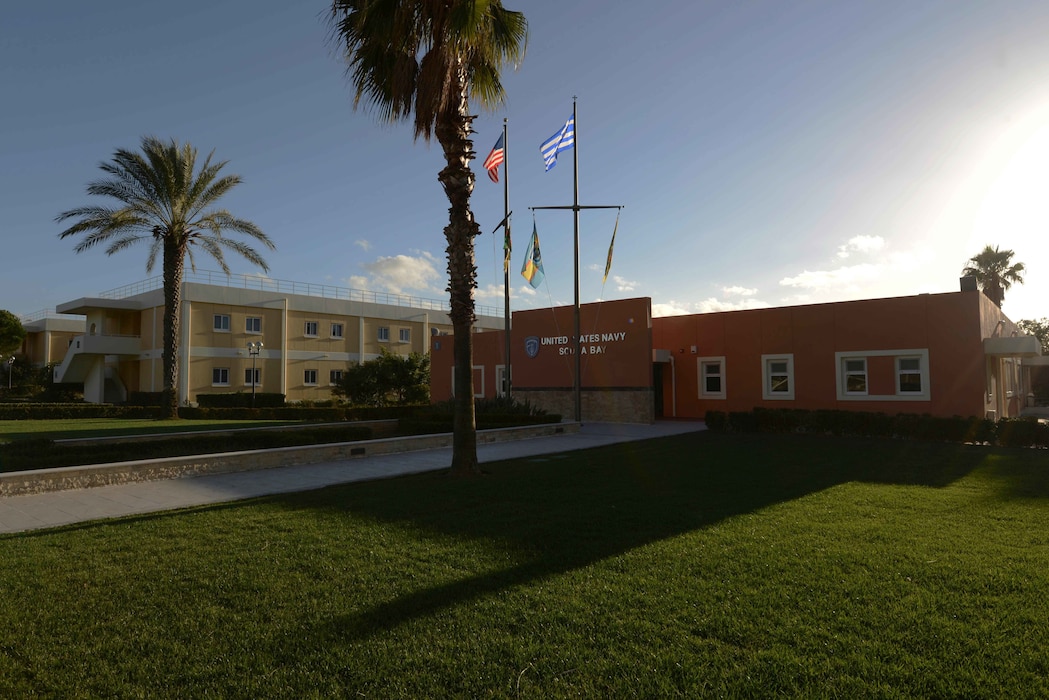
(495, 159)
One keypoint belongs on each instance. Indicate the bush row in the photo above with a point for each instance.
(55, 411)
(42, 454)
(1008, 432)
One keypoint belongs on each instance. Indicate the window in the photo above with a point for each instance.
(248, 376)
(384, 334)
(222, 322)
(882, 375)
(854, 371)
(712, 377)
(309, 377)
(220, 376)
(406, 335)
(336, 330)
(777, 377)
(310, 329)
(253, 324)
(334, 376)
(909, 375)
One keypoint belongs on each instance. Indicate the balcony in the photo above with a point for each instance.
(85, 350)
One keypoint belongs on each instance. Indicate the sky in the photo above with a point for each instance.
(765, 153)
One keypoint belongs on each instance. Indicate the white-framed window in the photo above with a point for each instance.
(777, 377)
(336, 330)
(854, 375)
(711, 377)
(309, 377)
(310, 329)
(220, 376)
(253, 377)
(253, 324)
(478, 384)
(334, 376)
(405, 335)
(909, 379)
(384, 334)
(222, 323)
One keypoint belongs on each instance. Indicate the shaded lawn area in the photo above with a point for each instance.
(692, 566)
(114, 427)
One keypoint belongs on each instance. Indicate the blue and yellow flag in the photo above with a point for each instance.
(533, 264)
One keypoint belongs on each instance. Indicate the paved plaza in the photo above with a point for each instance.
(44, 510)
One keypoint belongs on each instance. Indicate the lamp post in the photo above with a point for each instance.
(254, 348)
(10, 367)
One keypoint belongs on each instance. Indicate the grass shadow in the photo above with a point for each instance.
(560, 513)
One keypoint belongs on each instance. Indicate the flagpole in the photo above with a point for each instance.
(506, 266)
(576, 207)
(575, 215)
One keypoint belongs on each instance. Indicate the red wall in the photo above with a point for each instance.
(946, 325)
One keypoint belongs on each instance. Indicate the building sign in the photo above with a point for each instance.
(615, 345)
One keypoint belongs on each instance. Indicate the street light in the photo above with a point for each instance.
(254, 348)
(10, 366)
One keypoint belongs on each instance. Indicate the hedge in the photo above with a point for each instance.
(1008, 432)
(39, 453)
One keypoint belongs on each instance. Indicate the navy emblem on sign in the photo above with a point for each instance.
(532, 345)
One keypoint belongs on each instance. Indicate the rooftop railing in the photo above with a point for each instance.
(47, 313)
(310, 289)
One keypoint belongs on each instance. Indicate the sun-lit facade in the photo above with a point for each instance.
(310, 334)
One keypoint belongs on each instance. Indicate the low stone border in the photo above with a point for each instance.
(62, 478)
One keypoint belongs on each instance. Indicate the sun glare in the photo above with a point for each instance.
(1014, 213)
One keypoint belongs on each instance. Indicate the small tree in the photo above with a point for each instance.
(388, 380)
(1039, 329)
(12, 333)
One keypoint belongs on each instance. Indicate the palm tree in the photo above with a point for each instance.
(993, 272)
(165, 200)
(423, 60)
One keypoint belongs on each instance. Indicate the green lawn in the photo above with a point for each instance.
(113, 427)
(697, 566)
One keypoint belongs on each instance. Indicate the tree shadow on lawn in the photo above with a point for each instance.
(561, 512)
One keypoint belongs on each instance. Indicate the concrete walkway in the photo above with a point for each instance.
(36, 511)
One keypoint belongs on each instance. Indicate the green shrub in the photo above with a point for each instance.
(241, 399)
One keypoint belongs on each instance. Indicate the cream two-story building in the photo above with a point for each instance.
(310, 334)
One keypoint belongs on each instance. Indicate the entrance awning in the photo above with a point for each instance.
(1016, 346)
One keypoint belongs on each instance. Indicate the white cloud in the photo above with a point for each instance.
(526, 290)
(401, 274)
(861, 244)
(365, 245)
(623, 284)
(738, 291)
(706, 306)
(843, 277)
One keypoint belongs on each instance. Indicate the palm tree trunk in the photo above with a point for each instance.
(453, 133)
(174, 261)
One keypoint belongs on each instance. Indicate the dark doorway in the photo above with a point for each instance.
(657, 388)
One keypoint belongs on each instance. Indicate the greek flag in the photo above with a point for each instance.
(561, 141)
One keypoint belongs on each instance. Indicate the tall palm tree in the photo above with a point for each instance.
(995, 272)
(165, 200)
(424, 60)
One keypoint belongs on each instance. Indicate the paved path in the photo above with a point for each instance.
(36, 511)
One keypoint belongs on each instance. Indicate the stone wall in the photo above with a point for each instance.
(62, 478)
(599, 405)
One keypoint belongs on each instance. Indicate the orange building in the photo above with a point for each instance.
(940, 354)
